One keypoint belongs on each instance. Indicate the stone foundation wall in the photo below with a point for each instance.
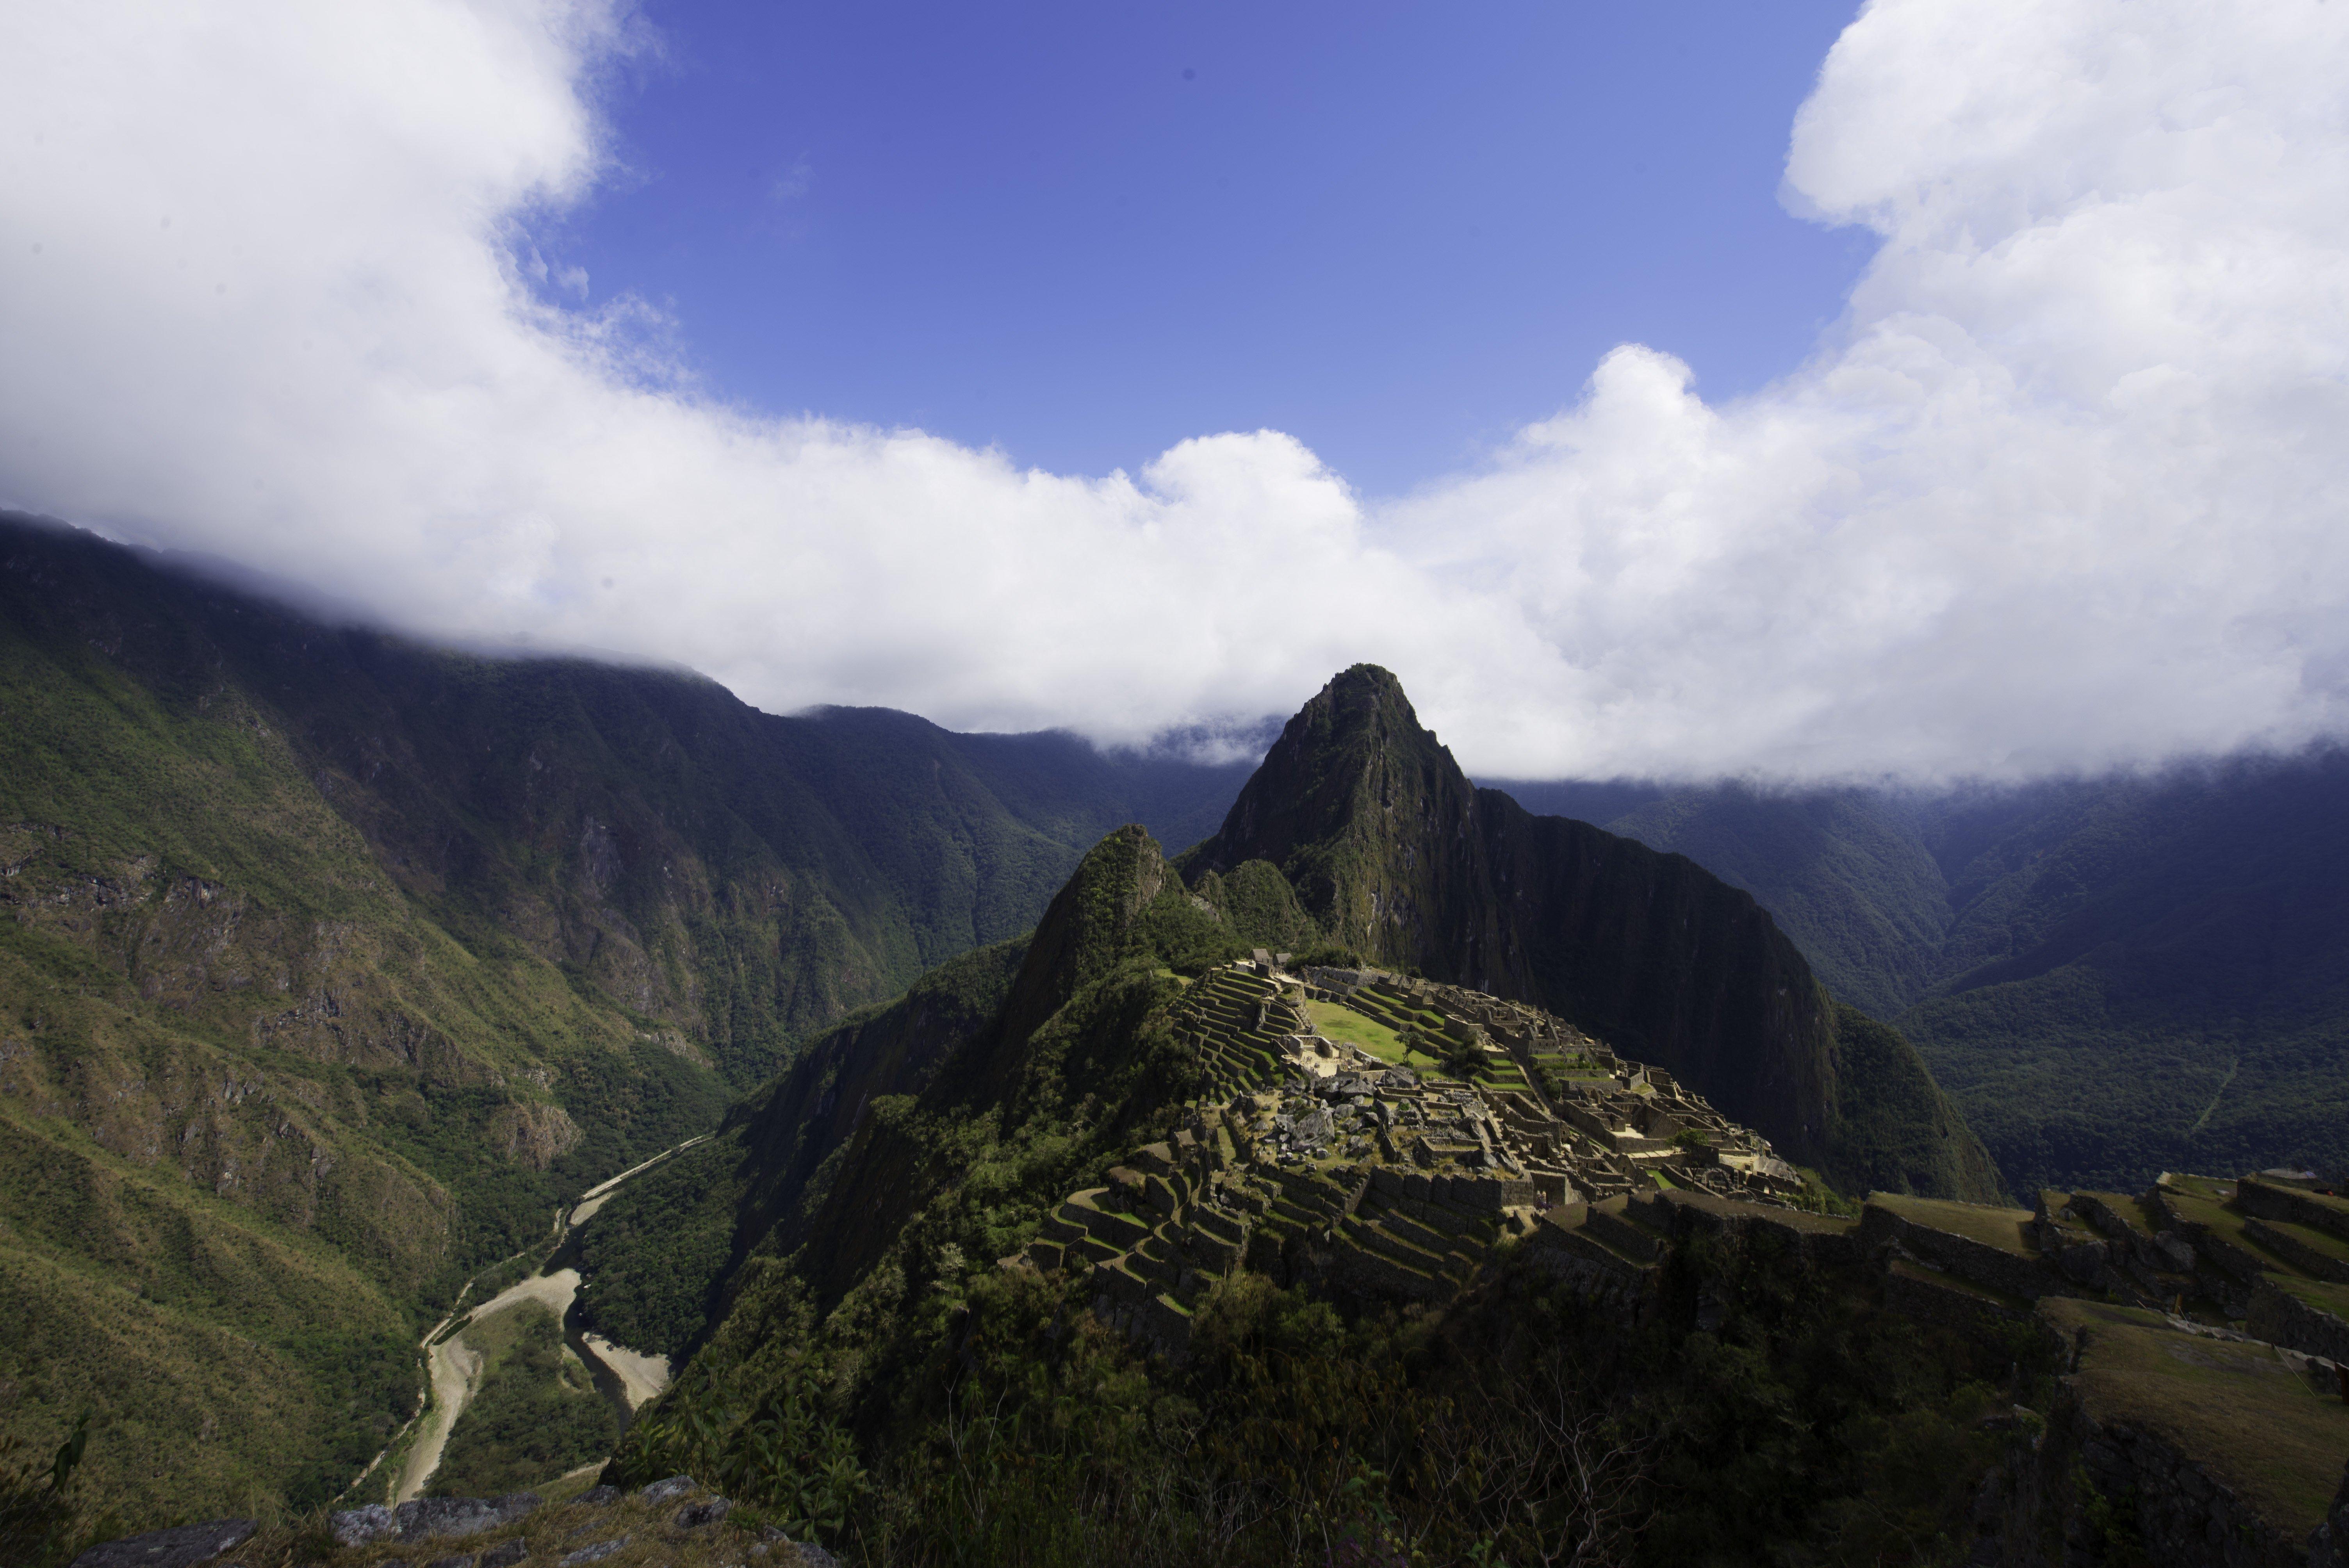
(2282, 1318)
(2329, 1546)
(1927, 1302)
(2286, 1203)
(1978, 1262)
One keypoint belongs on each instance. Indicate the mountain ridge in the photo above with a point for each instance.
(2113, 977)
(312, 936)
(1401, 857)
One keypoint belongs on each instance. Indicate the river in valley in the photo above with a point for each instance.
(626, 1378)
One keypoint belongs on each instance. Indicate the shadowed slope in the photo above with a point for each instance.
(1400, 856)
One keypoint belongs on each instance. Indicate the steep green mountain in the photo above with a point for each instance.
(2112, 977)
(1398, 856)
(945, 1124)
(330, 962)
(941, 1342)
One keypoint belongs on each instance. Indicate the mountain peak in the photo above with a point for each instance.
(1337, 804)
(1400, 859)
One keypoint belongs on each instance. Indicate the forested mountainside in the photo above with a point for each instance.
(1011, 1069)
(2112, 977)
(1075, 1255)
(330, 961)
(1395, 854)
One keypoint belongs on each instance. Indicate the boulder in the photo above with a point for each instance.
(2328, 1545)
(708, 1510)
(183, 1547)
(436, 1518)
(2083, 1262)
(357, 1526)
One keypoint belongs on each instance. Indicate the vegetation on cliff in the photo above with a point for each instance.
(942, 1408)
(1399, 857)
(330, 964)
(2111, 977)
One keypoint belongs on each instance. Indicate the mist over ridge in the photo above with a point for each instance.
(2058, 492)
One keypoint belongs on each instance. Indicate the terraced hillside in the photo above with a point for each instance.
(1236, 1018)
(1314, 1158)
(1401, 859)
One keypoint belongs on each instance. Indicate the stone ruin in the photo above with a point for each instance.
(1313, 1158)
(1314, 1162)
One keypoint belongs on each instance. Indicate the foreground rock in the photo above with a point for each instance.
(183, 1547)
(677, 1522)
(429, 1518)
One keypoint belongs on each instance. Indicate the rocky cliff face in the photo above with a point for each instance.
(1400, 856)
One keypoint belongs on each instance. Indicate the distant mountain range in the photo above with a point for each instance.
(330, 961)
(2112, 977)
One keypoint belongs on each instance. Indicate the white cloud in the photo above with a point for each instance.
(794, 183)
(2065, 489)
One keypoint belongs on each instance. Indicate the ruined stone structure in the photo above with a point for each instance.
(1312, 1158)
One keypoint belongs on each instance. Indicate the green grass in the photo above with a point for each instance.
(2224, 1224)
(1993, 1227)
(2324, 1243)
(2233, 1408)
(2130, 1207)
(1340, 1022)
(1964, 1287)
(2210, 1188)
(2325, 1296)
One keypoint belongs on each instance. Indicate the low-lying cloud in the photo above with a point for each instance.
(2065, 489)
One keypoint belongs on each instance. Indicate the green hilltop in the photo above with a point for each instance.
(1398, 856)
(1098, 1250)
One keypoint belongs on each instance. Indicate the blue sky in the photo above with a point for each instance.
(1083, 232)
(980, 362)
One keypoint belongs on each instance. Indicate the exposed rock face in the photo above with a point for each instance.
(534, 1132)
(2329, 1546)
(430, 1518)
(183, 1547)
(1400, 856)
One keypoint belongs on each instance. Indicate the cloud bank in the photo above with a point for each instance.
(2064, 489)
